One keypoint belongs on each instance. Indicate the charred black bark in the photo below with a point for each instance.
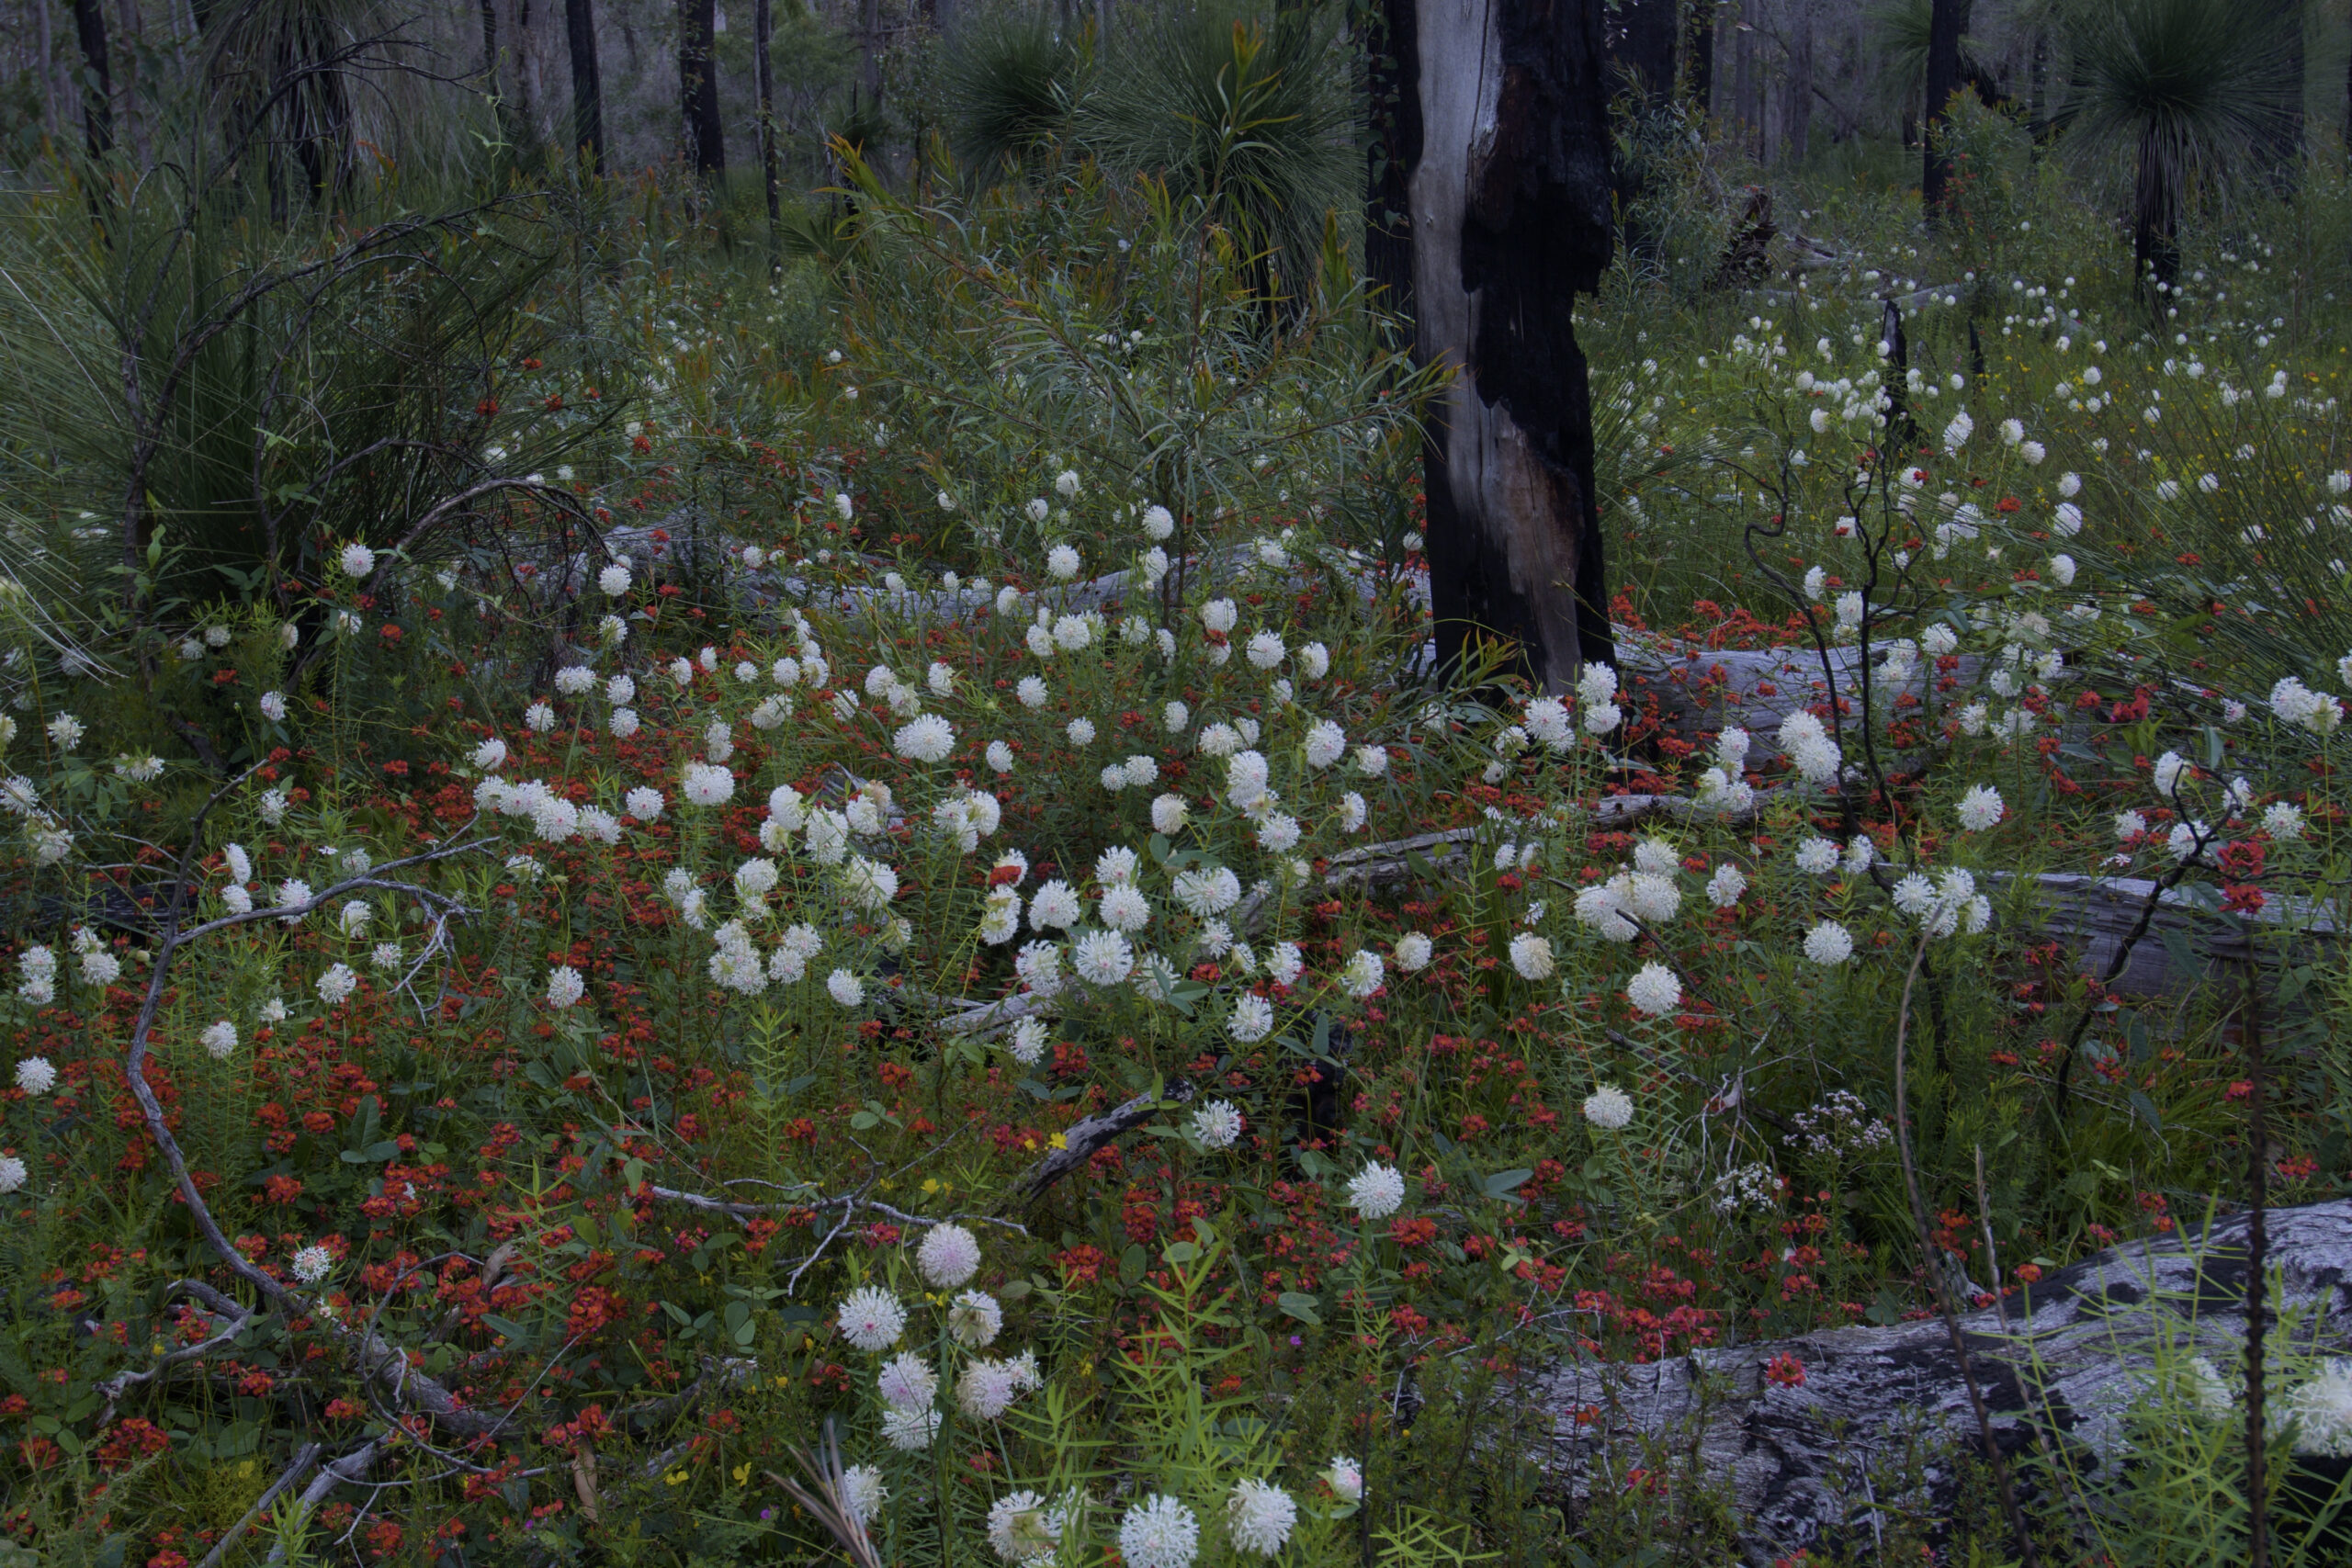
(764, 70)
(1393, 68)
(2281, 147)
(706, 136)
(1510, 203)
(1700, 51)
(1947, 20)
(587, 81)
(97, 89)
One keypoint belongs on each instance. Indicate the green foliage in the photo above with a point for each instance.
(1246, 118)
(1012, 83)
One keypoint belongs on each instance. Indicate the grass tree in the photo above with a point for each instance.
(1251, 115)
(2181, 90)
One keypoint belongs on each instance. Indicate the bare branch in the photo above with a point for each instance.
(240, 1319)
(1092, 1133)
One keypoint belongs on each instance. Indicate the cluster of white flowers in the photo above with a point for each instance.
(94, 959)
(2298, 704)
(1748, 1187)
(1838, 1126)
(1376, 1191)
(1944, 904)
(1609, 1108)
(2319, 1411)
(1810, 750)
(37, 970)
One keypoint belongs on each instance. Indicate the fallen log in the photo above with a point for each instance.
(2186, 942)
(2062, 1362)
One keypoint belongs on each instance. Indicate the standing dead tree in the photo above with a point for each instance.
(1509, 206)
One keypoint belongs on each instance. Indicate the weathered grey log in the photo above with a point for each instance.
(2076, 1355)
(1701, 689)
(2098, 914)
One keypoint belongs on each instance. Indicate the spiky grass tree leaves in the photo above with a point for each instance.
(1250, 116)
(1012, 81)
(2179, 91)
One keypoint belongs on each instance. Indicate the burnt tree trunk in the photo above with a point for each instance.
(764, 69)
(1947, 20)
(869, 45)
(1699, 89)
(587, 82)
(501, 111)
(698, 87)
(1510, 201)
(98, 86)
(1393, 102)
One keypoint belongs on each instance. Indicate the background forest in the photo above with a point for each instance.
(756, 803)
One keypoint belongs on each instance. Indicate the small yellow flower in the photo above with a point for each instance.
(675, 1478)
(1059, 1142)
(743, 1473)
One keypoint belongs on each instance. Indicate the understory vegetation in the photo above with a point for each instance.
(684, 911)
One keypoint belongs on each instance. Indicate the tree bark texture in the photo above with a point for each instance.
(1511, 219)
(1947, 20)
(2062, 1361)
(97, 87)
(587, 81)
(1699, 23)
(1394, 110)
(764, 69)
(705, 141)
(869, 45)
(1796, 117)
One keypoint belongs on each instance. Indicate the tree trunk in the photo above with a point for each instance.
(1510, 201)
(763, 26)
(2036, 109)
(2155, 222)
(1699, 88)
(501, 110)
(869, 45)
(1743, 77)
(706, 144)
(1797, 123)
(1393, 101)
(1947, 19)
(587, 82)
(48, 46)
(132, 33)
(98, 85)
